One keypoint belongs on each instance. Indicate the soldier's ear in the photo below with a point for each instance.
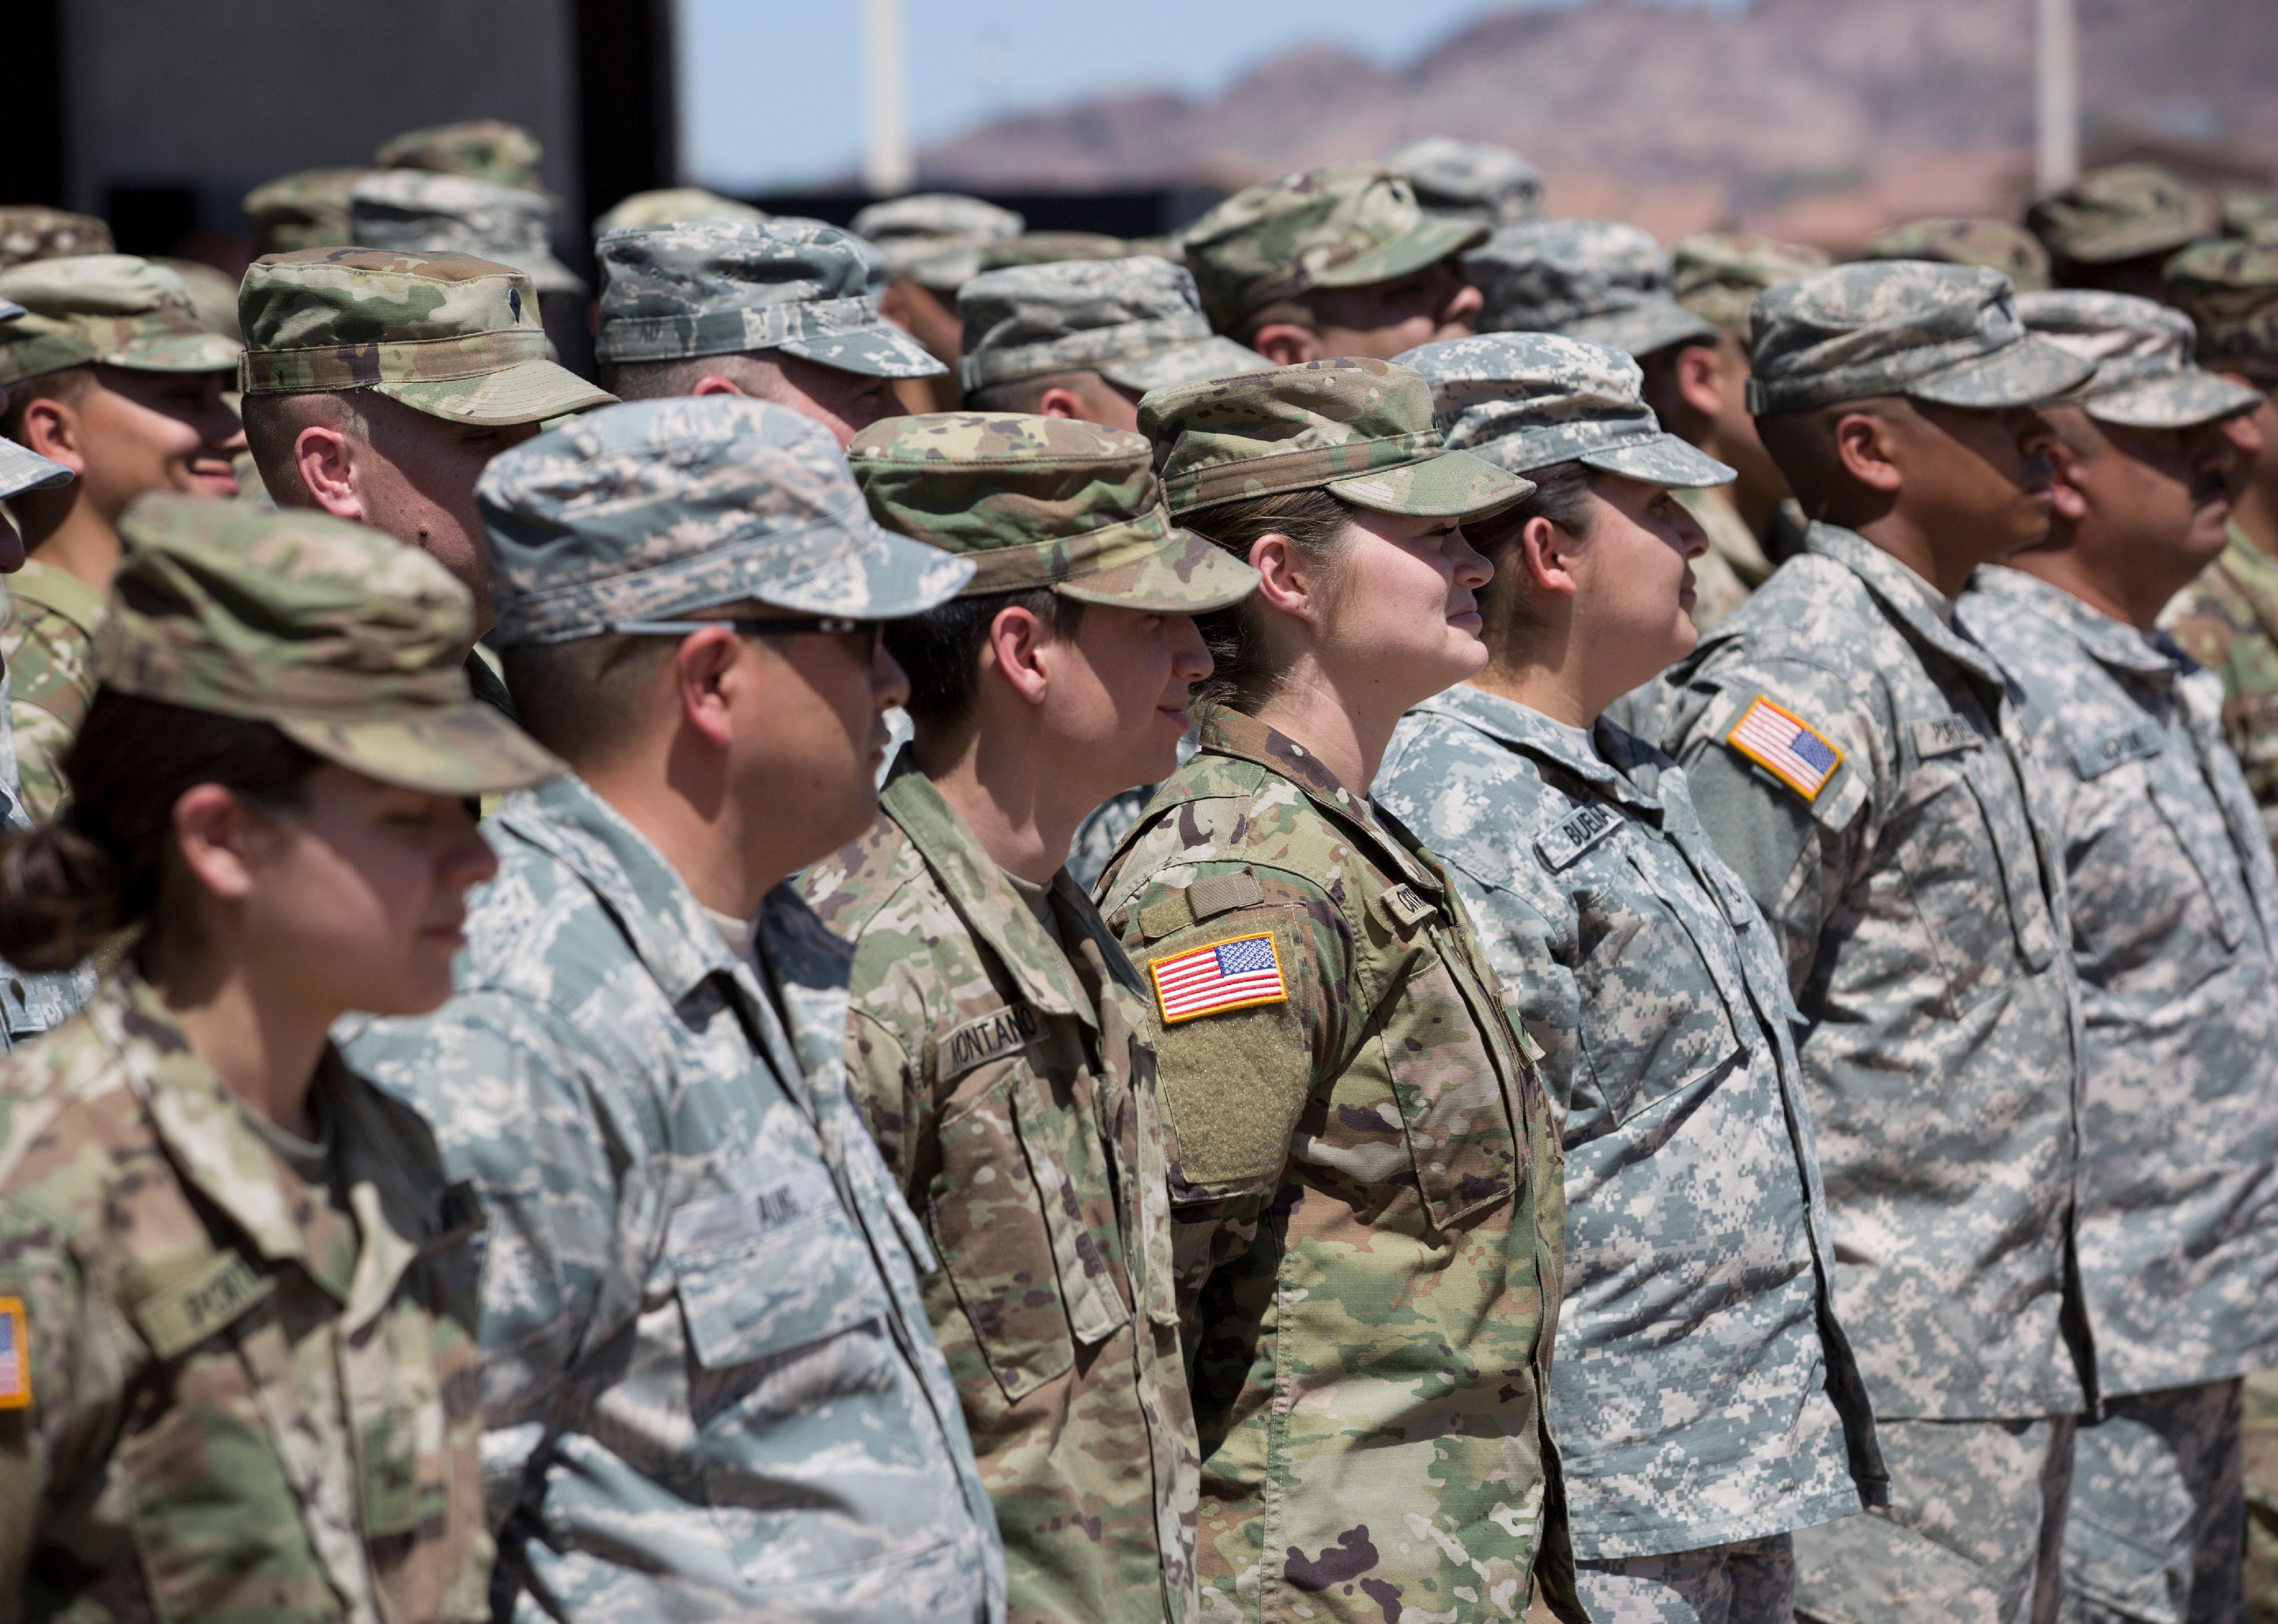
(325, 457)
(1863, 444)
(51, 427)
(1286, 343)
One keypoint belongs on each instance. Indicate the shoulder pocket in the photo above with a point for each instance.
(1446, 1080)
(770, 1268)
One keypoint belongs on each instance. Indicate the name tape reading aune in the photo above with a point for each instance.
(1786, 746)
(1233, 974)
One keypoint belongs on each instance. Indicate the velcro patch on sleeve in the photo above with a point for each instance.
(15, 1356)
(1786, 746)
(1235, 974)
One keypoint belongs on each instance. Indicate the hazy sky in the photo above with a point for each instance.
(771, 89)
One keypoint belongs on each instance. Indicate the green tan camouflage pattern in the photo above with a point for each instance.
(480, 148)
(1052, 248)
(2141, 352)
(1367, 1205)
(937, 239)
(2230, 291)
(655, 509)
(33, 230)
(1006, 1073)
(212, 294)
(2261, 1439)
(308, 209)
(1043, 502)
(253, 1399)
(455, 336)
(2228, 620)
(1469, 180)
(410, 211)
(1356, 427)
(1968, 239)
(674, 206)
(113, 308)
(2122, 211)
(1344, 225)
(1717, 275)
(23, 469)
(47, 645)
(2253, 216)
(1136, 322)
(1602, 280)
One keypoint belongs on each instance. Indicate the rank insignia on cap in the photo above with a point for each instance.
(1233, 974)
(15, 1356)
(1786, 746)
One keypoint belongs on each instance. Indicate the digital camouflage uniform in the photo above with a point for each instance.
(2124, 212)
(936, 238)
(480, 148)
(1861, 766)
(2174, 904)
(32, 231)
(1605, 281)
(1136, 322)
(239, 1375)
(1469, 180)
(1367, 1205)
(411, 211)
(1003, 1064)
(1962, 240)
(308, 209)
(708, 1384)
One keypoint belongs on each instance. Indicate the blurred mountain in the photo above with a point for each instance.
(1819, 119)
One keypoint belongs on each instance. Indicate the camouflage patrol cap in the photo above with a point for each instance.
(109, 307)
(1358, 427)
(1470, 179)
(21, 469)
(1717, 275)
(1525, 401)
(2123, 212)
(2231, 289)
(30, 232)
(2253, 216)
(1345, 225)
(1051, 248)
(655, 509)
(347, 642)
(674, 206)
(1944, 333)
(446, 334)
(1137, 323)
(725, 287)
(305, 209)
(1043, 502)
(1602, 280)
(1961, 239)
(2141, 352)
(212, 295)
(480, 149)
(937, 239)
(410, 211)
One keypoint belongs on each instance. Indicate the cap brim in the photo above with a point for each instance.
(2184, 400)
(1185, 576)
(2026, 373)
(1432, 239)
(22, 470)
(1644, 328)
(1660, 459)
(466, 751)
(884, 351)
(876, 575)
(527, 392)
(1189, 363)
(10, 311)
(1455, 484)
(189, 352)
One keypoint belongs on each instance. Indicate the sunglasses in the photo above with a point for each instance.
(786, 626)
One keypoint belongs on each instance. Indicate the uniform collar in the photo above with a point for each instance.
(59, 592)
(2254, 572)
(2108, 642)
(1899, 590)
(1521, 727)
(1229, 733)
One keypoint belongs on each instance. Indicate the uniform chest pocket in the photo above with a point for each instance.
(1449, 1089)
(1966, 856)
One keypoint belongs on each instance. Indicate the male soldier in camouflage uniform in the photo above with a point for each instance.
(932, 243)
(113, 376)
(32, 232)
(308, 209)
(1337, 261)
(378, 386)
(1997, 245)
(674, 206)
(782, 310)
(2113, 229)
(710, 1387)
(2174, 909)
(480, 148)
(1861, 766)
(998, 1039)
(1470, 179)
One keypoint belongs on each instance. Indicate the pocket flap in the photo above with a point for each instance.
(769, 1268)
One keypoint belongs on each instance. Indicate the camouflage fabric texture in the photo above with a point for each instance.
(1357, 428)
(1136, 322)
(410, 211)
(32, 231)
(213, 295)
(250, 1395)
(724, 287)
(2253, 216)
(1053, 248)
(708, 1381)
(674, 206)
(1717, 275)
(1747, 1581)
(1660, 1002)
(109, 307)
(2124, 212)
(1526, 400)
(1344, 225)
(487, 149)
(1735, 564)
(1965, 239)
(2141, 352)
(1946, 333)
(308, 209)
(937, 239)
(1378, 1123)
(1043, 502)
(2260, 1432)
(1469, 180)
(1916, 891)
(2158, 1507)
(658, 508)
(22, 469)
(2228, 620)
(32, 1003)
(1004, 1069)
(1601, 280)
(454, 337)
(2174, 909)
(46, 645)
(2230, 291)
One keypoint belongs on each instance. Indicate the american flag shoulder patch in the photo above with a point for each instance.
(1233, 974)
(1786, 746)
(15, 1356)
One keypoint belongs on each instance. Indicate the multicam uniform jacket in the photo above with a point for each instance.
(2228, 620)
(226, 1393)
(709, 1387)
(1367, 1202)
(1705, 1393)
(48, 642)
(2174, 904)
(30, 1004)
(1010, 1084)
(1919, 900)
